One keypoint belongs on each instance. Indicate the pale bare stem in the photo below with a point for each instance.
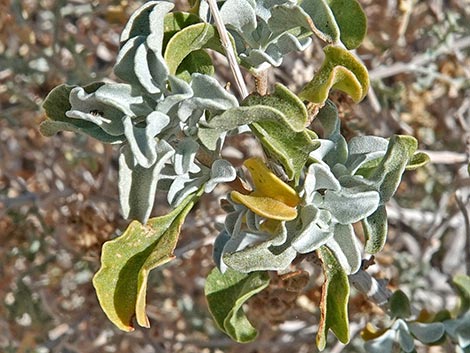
(229, 52)
(373, 289)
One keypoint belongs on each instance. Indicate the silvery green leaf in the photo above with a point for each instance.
(182, 186)
(328, 117)
(217, 251)
(142, 140)
(404, 337)
(427, 332)
(51, 127)
(284, 18)
(106, 106)
(233, 222)
(262, 256)
(359, 145)
(141, 67)
(458, 330)
(315, 230)
(387, 175)
(157, 28)
(139, 24)
(375, 230)
(323, 149)
(209, 94)
(252, 221)
(351, 205)
(140, 60)
(319, 177)
(288, 42)
(257, 43)
(125, 61)
(265, 8)
(346, 248)
(137, 185)
(185, 155)
(382, 344)
(150, 69)
(210, 138)
(221, 172)
(244, 240)
(180, 91)
(57, 104)
(363, 149)
(324, 22)
(256, 57)
(239, 14)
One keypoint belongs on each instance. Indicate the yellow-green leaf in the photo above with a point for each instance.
(289, 148)
(418, 160)
(226, 293)
(266, 206)
(370, 332)
(334, 300)
(175, 22)
(121, 282)
(189, 39)
(293, 110)
(340, 70)
(351, 20)
(462, 283)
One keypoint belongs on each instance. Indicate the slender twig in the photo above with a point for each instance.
(382, 72)
(445, 157)
(463, 208)
(229, 52)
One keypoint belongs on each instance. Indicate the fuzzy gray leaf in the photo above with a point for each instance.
(351, 205)
(137, 185)
(106, 106)
(315, 230)
(346, 248)
(142, 140)
(221, 172)
(427, 333)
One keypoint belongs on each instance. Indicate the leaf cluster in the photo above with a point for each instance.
(170, 117)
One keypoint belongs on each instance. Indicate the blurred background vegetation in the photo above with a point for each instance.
(58, 196)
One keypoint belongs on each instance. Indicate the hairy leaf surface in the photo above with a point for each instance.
(334, 300)
(340, 70)
(121, 281)
(226, 293)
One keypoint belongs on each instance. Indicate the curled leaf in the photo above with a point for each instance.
(57, 104)
(340, 70)
(268, 184)
(226, 293)
(293, 110)
(266, 206)
(387, 175)
(334, 300)
(375, 230)
(121, 281)
(190, 39)
(462, 284)
(418, 160)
